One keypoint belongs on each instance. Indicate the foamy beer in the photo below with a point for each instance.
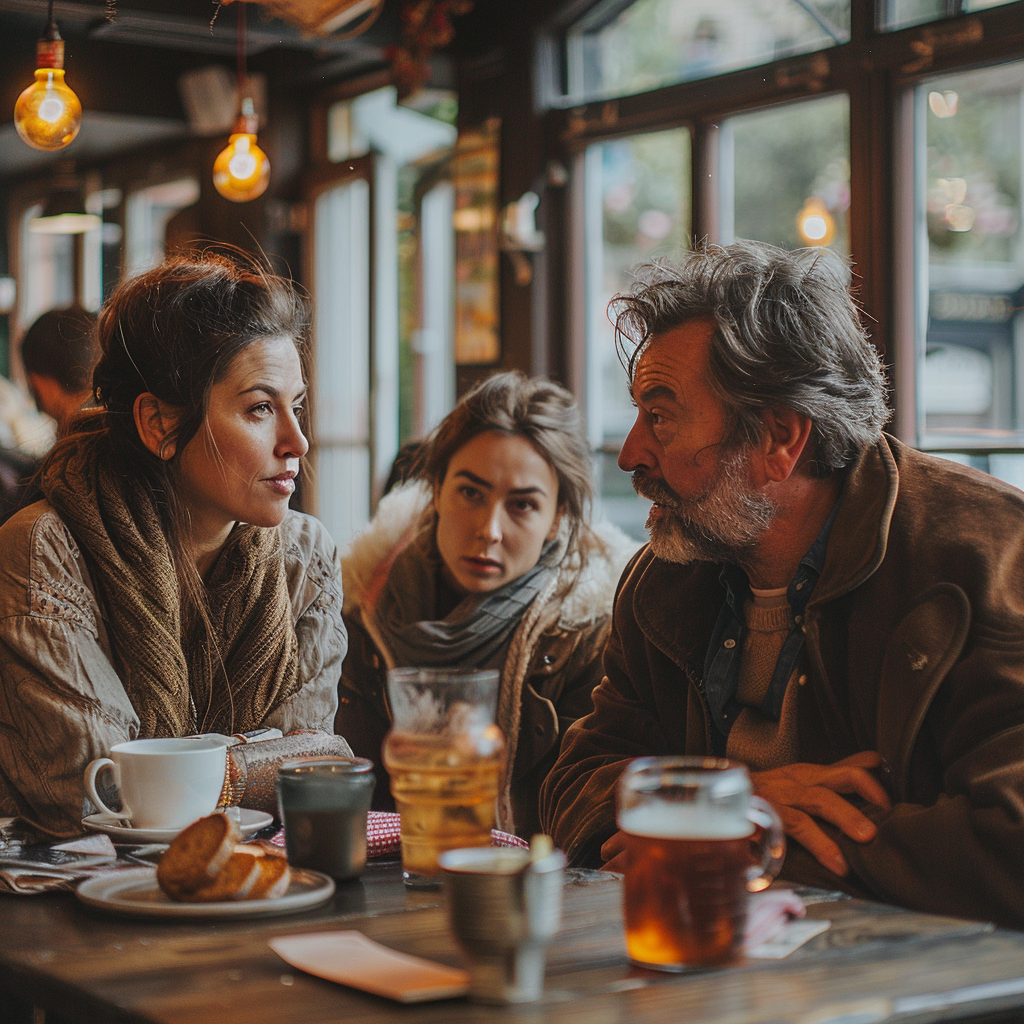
(697, 842)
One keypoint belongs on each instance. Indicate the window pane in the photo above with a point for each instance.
(474, 169)
(1002, 465)
(896, 14)
(970, 360)
(786, 175)
(638, 207)
(46, 276)
(652, 43)
(147, 213)
(341, 383)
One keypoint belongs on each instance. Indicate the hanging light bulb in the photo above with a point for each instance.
(48, 114)
(242, 171)
(815, 224)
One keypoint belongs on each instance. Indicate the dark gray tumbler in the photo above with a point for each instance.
(324, 802)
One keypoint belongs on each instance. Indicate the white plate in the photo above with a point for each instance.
(135, 891)
(248, 821)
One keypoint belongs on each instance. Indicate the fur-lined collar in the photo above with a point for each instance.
(367, 559)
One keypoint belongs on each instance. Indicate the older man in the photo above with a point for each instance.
(838, 611)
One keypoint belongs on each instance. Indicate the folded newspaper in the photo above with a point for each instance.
(30, 863)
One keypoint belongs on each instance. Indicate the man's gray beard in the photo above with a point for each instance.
(722, 524)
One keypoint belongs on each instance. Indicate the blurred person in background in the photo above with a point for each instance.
(59, 352)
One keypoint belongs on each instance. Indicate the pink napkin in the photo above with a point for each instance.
(383, 835)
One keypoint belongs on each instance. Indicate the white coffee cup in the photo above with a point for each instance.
(164, 783)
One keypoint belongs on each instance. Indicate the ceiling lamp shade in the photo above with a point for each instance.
(64, 210)
(322, 17)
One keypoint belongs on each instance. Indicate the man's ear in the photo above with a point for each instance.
(786, 440)
(154, 421)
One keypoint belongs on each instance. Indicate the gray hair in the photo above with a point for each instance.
(787, 335)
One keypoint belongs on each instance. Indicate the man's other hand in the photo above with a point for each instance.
(802, 792)
(613, 853)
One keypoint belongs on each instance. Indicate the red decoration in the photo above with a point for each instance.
(426, 26)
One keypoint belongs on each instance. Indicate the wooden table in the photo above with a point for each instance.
(874, 963)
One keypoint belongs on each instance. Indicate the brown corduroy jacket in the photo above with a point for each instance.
(914, 648)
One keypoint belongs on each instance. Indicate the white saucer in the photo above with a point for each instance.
(135, 892)
(248, 821)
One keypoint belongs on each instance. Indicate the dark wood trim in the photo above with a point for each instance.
(878, 71)
(704, 218)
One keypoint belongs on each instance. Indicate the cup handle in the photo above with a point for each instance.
(772, 844)
(94, 768)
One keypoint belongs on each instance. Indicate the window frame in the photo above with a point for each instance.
(878, 70)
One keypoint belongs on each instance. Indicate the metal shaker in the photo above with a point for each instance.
(504, 908)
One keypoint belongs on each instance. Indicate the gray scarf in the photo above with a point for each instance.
(476, 633)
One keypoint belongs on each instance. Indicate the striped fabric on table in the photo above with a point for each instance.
(383, 835)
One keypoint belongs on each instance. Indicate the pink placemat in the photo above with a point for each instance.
(383, 835)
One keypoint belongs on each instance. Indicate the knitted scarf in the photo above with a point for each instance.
(167, 675)
(474, 634)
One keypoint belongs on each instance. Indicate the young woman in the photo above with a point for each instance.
(487, 561)
(163, 587)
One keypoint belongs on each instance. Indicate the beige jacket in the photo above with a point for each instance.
(61, 701)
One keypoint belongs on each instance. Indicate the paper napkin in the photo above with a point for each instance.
(350, 958)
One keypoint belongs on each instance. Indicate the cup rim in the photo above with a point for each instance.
(696, 763)
(480, 860)
(159, 746)
(442, 676)
(306, 763)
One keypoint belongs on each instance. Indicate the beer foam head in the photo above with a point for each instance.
(662, 820)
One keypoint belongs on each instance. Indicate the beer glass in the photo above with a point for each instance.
(445, 756)
(697, 841)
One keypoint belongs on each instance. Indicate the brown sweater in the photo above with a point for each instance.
(758, 741)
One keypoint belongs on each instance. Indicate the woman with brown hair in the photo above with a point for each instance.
(487, 560)
(163, 587)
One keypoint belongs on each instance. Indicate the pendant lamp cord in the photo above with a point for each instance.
(243, 85)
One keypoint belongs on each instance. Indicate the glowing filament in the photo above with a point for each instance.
(241, 171)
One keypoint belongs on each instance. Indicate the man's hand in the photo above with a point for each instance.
(613, 853)
(802, 792)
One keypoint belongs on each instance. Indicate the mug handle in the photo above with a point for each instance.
(771, 842)
(94, 768)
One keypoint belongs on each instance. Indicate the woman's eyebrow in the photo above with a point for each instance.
(481, 482)
(473, 478)
(272, 392)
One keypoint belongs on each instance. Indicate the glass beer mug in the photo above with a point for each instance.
(445, 756)
(697, 842)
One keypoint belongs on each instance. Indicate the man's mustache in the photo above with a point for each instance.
(655, 490)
